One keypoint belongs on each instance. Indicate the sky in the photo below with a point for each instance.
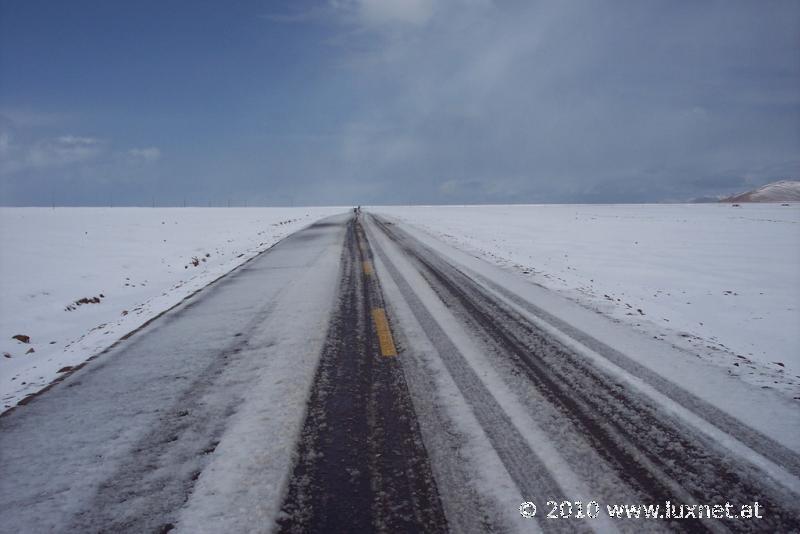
(346, 102)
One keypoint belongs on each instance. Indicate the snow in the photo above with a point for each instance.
(673, 370)
(472, 371)
(242, 488)
(217, 386)
(139, 259)
(719, 281)
(690, 391)
(781, 191)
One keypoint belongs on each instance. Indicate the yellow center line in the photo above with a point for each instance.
(384, 333)
(368, 267)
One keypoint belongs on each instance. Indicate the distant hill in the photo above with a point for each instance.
(781, 191)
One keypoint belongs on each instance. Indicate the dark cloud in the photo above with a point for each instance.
(465, 101)
(580, 101)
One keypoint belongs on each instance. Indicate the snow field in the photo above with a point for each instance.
(75, 280)
(720, 281)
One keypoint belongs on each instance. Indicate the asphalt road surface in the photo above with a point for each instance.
(352, 379)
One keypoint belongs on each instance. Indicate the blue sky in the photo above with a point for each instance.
(395, 101)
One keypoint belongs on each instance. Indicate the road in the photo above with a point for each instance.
(353, 378)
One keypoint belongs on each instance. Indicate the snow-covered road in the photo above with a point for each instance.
(720, 281)
(280, 399)
(192, 419)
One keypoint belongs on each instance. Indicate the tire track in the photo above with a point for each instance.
(528, 472)
(654, 452)
(760, 443)
(361, 461)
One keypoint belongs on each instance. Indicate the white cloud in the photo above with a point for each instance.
(146, 155)
(380, 12)
(372, 14)
(63, 150)
(66, 150)
(378, 15)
